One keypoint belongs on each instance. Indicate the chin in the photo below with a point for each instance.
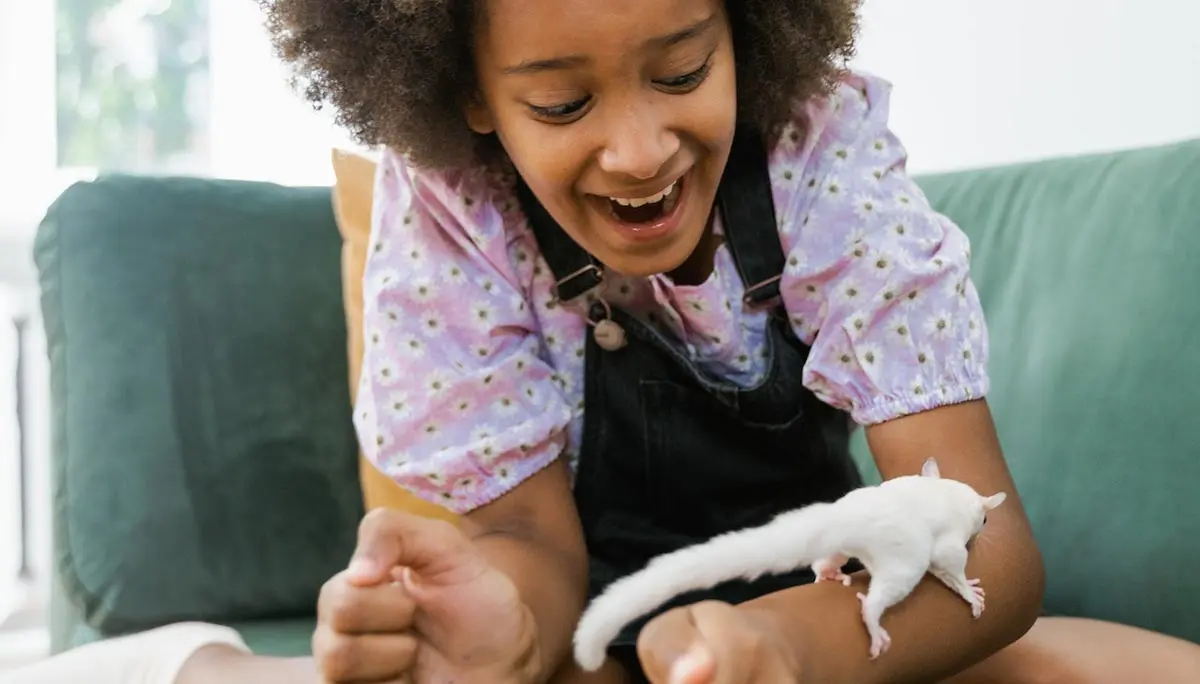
(642, 265)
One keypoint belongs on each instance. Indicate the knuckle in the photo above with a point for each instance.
(374, 520)
(343, 616)
(330, 589)
(337, 657)
(337, 607)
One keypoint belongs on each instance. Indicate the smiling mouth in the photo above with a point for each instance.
(645, 209)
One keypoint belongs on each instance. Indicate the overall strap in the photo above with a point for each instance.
(747, 209)
(576, 271)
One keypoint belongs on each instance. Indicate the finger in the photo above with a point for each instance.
(664, 640)
(734, 650)
(351, 609)
(697, 666)
(387, 538)
(363, 658)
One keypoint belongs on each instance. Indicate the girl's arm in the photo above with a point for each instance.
(533, 535)
(933, 632)
(456, 403)
(880, 284)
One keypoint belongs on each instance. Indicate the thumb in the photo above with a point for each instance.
(672, 650)
(389, 538)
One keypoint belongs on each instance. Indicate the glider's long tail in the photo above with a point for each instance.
(792, 540)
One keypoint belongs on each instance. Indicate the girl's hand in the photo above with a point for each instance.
(420, 604)
(714, 643)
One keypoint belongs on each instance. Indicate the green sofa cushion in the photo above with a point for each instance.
(1087, 271)
(279, 638)
(204, 461)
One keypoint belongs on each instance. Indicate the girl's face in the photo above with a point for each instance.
(619, 114)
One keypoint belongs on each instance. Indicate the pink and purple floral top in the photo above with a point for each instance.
(472, 376)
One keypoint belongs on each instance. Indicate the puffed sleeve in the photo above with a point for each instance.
(876, 280)
(455, 403)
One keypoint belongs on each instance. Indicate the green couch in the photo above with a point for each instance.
(204, 464)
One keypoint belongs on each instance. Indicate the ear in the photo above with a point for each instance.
(994, 500)
(478, 116)
(930, 469)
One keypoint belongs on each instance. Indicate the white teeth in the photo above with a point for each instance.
(644, 200)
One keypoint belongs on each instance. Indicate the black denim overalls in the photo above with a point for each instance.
(671, 456)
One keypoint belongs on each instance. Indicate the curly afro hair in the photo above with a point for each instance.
(400, 72)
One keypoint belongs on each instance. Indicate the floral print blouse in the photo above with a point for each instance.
(472, 376)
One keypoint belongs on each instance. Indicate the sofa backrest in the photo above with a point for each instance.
(198, 356)
(204, 461)
(1087, 269)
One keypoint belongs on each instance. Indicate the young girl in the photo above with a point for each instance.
(637, 267)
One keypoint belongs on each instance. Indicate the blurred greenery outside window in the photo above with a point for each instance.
(133, 85)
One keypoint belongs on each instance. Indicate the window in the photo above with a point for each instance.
(140, 86)
(132, 85)
(145, 86)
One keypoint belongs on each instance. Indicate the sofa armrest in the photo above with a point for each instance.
(204, 460)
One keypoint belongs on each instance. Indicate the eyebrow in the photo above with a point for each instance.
(534, 66)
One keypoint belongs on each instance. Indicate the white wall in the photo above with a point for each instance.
(981, 82)
(9, 439)
(261, 128)
(978, 82)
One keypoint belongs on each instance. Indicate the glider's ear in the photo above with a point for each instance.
(994, 500)
(930, 469)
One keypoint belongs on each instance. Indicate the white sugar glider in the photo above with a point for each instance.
(899, 530)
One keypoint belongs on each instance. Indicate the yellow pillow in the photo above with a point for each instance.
(353, 192)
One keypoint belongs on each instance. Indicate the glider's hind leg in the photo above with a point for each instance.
(950, 567)
(890, 583)
(830, 569)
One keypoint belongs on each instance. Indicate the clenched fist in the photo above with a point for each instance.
(419, 604)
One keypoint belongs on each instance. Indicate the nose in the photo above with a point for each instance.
(638, 144)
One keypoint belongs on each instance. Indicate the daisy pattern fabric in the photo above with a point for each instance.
(473, 376)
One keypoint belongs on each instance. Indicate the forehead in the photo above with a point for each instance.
(523, 30)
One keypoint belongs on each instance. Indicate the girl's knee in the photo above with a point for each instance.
(1077, 651)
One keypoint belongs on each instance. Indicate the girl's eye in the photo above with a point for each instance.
(687, 81)
(678, 84)
(563, 111)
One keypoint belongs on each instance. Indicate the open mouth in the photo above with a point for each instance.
(646, 209)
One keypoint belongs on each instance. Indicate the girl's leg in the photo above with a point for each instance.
(222, 665)
(155, 656)
(1081, 651)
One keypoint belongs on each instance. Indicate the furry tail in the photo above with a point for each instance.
(792, 540)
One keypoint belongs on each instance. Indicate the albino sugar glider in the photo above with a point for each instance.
(899, 530)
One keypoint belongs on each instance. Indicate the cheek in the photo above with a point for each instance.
(715, 113)
(547, 161)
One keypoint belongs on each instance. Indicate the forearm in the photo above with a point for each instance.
(933, 632)
(552, 583)
(533, 535)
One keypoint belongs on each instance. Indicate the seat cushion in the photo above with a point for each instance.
(203, 451)
(280, 638)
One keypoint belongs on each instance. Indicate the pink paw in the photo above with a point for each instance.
(977, 597)
(834, 575)
(881, 641)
